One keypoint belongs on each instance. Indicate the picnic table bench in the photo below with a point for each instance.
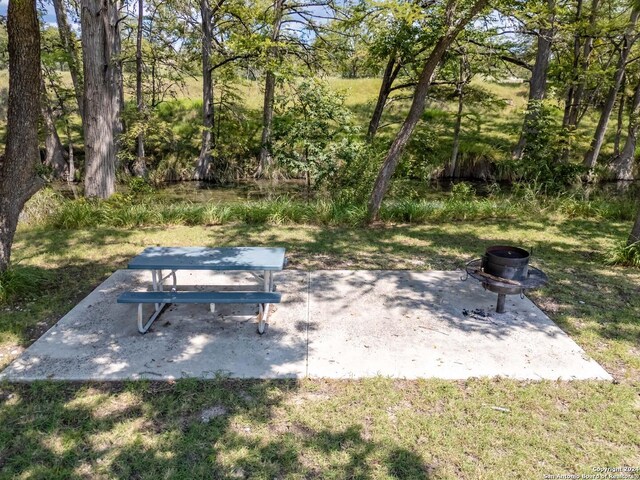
(261, 261)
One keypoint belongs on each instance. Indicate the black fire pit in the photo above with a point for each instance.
(505, 270)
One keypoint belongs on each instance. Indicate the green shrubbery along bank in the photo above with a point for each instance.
(144, 208)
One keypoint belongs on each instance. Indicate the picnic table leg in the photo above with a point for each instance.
(158, 286)
(268, 281)
(155, 283)
(142, 328)
(263, 316)
(263, 313)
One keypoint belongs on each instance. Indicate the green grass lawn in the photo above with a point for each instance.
(376, 428)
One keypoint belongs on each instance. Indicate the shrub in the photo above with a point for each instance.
(623, 254)
(313, 132)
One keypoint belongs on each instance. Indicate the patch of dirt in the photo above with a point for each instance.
(213, 412)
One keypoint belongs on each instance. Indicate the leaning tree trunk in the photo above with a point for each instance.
(591, 156)
(453, 164)
(203, 167)
(537, 85)
(577, 39)
(100, 98)
(582, 60)
(576, 107)
(623, 165)
(69, 44)
(18, 168)
(139, 166)
(390, 73)
(417, 105)
(266, 159)
(621, 106)
(54, 153)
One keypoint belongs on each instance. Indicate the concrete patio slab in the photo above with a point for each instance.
(98, 339)
(430, 324)
(333, 324)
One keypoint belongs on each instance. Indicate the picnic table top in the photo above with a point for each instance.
(203, 258)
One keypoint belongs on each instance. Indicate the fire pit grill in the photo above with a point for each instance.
(506, 271)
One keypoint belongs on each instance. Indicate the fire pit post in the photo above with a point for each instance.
(500, 305)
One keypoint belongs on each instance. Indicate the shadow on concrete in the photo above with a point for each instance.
(98, 339)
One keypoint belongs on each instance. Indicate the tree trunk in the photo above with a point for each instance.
(621, 105)
(390, 73)
(573, 103)
(71, 173)
(100, 99)
(54, 152)
(202, 171)
(69, 44)
(18, 169)
(417, 106)
(538, 83)
(265, 161)
(575, 68)
(115, 73)
(623, 165)
(574, 114)
(591, 156)
(139, 166)
(456, 131)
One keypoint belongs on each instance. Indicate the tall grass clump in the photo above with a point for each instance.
(623, 254)
(19, 282)
(284, 210)
(217, 214)
(131, 215)
(180, 214)
(575, 205)
(81, 213)
(338, 212)
(41, 206)
(410, 211)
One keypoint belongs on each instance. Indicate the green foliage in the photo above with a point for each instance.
(19, 283)
(357, 174)
(313, 132)
(541, 162)
(623, 254)
(41, 206)
(158, 133)
(234, 143)
(78, 214)
(139, 185)
(463, 191)
(344, 208)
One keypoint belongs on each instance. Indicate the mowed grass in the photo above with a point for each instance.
(376, 428)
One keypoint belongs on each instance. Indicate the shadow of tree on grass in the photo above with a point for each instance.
(187, 429)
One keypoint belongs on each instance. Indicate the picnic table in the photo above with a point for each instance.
(262, 262)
